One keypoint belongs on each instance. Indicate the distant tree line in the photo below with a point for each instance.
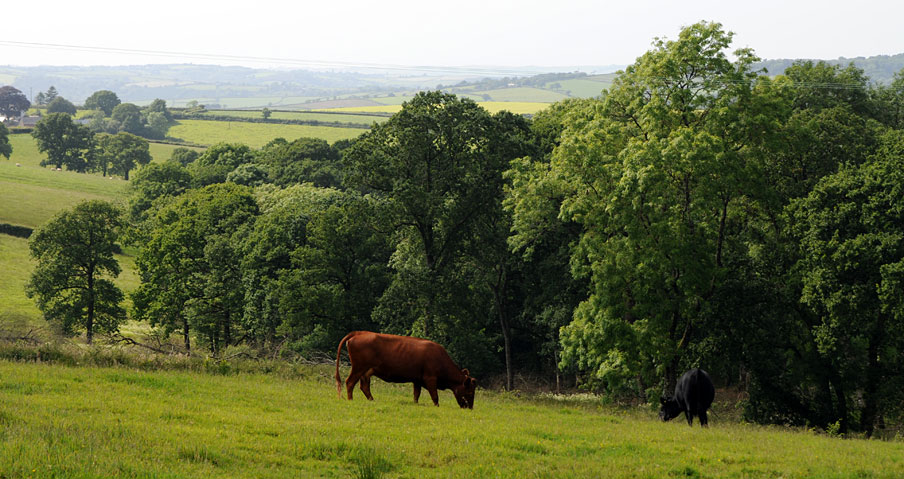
(698, 213)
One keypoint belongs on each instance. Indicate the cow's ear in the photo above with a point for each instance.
(466, 372)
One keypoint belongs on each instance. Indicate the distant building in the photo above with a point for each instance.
(29, 121)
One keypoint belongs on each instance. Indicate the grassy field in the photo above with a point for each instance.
(491, 106)
(88, 422)
(255, 135)
(523, 94)
(303, 116)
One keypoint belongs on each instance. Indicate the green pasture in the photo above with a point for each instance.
(255, 135)
(163, 151)
(303, 116)
(491, 106)
(93, 422)
(523, 94)
(583, 88)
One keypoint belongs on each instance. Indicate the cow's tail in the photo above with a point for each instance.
(338, 356)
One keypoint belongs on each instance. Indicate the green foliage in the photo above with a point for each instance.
(61, 105)
(74, 253)
(851, 231)
(651, 173)
(305, 160)
(218, 161)
(184, 156)
(13, 102)
(190, 265)
(123, 152)
(128, 118)
(104, 100)
(437, 164)
(6, 149)
(65, 142)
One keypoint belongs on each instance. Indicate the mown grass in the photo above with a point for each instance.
(58, 421)
(255, 135)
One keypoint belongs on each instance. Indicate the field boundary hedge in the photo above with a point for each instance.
(214, 117)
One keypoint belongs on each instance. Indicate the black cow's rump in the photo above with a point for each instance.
(694, 394)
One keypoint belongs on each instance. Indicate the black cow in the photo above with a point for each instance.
(694, 395)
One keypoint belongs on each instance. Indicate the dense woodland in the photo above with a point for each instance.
(698, 213)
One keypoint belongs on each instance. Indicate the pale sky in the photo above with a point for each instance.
(462, 33)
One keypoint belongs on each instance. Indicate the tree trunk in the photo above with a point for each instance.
(873, 375)
(89, 325)
(185, 335)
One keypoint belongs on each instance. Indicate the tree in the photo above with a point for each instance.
(123, 152)
(159, 106)
(71, 281)
(61, 105)
(851, 229)
(653, 173)
(438, 167)
(184, 156)
(305, 160)
(50, 95)
(6, 149)
(104, 100)
(157, 125)
(128, 118)
(265, 113)
(64, 141)
(218, 161)
(190, 265)
(13, 103)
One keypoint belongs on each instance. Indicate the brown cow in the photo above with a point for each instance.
(403, 359)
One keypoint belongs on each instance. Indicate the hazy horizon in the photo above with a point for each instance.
(406, 34)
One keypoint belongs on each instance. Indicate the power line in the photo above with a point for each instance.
(268, 60)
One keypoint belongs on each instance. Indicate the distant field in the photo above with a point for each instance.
(491, 106)
(30, 194)
(256, 135)
(303, 116)
(163, 151)
(583, 88)
(114, 422)
(523, 94)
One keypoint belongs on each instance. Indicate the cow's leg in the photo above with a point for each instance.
(353, 378)
(365, 385)
(417, 391)
(430, 384)
(690, 417)
(704, 421)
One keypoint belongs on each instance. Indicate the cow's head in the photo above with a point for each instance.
(670, 408)
(464, 392)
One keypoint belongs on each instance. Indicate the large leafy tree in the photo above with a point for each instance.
(123, 152)
(71, 282)
(190, 265)
(653, 174)
(104, 100)
(215, 164)
(337, 274)
(65, 142)
(127, 117)
(438, 168)
(13, 102)
(305, 160)
(61, 105)
(851, 230)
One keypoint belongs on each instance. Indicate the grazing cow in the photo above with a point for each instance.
(694, 395)
(403, 359)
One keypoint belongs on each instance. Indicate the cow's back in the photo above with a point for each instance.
(397, 358)
(695, 391)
